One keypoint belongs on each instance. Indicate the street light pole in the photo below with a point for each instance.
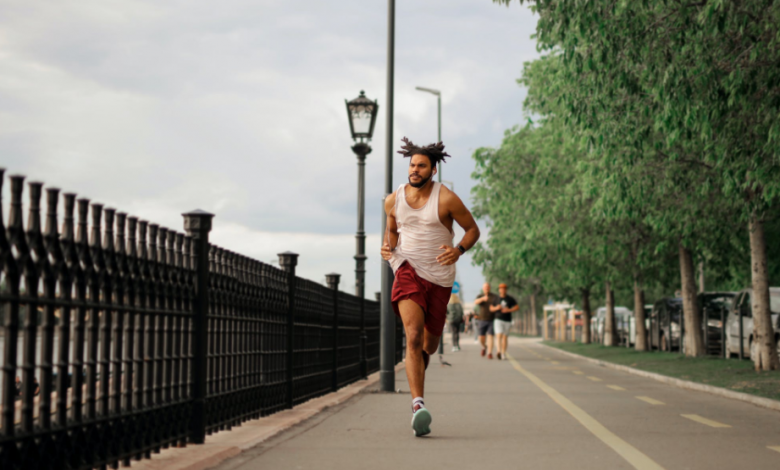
(387, 316)
(361, 149)
(438, 106)
(361, 113)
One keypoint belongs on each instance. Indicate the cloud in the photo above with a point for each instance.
(237, 107)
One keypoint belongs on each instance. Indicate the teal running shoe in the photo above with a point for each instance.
(421, 421)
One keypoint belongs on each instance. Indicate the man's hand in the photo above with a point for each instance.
(386, 252)
(450, 256)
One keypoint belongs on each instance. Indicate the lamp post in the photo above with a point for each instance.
(438, 102)
(362, 116)
(387, 321)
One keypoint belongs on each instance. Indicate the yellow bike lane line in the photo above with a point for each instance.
(632, 455)
(676, 427)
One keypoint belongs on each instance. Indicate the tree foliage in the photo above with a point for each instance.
(657, 130)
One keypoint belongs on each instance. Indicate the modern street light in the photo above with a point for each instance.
(362, 116)
(438, 99)
(387, 321)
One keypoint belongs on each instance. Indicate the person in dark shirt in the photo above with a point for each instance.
(484, 305)
(503, 321)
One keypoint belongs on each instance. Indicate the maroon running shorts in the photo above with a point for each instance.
(432, 298)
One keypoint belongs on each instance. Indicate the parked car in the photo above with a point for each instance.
(664, 324)
(714, 308)
(622, 320)
(744, 302)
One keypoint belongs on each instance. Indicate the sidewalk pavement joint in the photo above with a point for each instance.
(685, 384)
(226, 444)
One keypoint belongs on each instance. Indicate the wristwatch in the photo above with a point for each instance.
(461, 249)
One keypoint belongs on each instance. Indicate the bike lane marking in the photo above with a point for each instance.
(652, 401)
(708, 422)
(630, 453)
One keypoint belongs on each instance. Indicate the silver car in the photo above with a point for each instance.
(743, 302)
(597, 322)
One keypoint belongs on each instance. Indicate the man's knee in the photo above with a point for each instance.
(414, 340)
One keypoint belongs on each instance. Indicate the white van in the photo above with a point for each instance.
(624, 318)
(743, 302)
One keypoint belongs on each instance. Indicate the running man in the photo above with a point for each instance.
(418, 245)
(503, 322)
(486, 303)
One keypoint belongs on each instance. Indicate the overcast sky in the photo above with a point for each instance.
(237, 107)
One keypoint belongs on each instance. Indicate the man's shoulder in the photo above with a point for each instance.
(448, 198)
(390, 200)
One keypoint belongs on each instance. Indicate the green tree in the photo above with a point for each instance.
(705, 75)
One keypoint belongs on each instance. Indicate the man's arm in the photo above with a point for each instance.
(391, 234)
(457, 210)
(515, 307)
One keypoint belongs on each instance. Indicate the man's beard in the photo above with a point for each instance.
(421, 183)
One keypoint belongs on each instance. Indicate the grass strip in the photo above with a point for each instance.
(731, 374)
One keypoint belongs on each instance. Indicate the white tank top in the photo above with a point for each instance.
(420, 234)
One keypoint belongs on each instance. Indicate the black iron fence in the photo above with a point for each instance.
(121, 337)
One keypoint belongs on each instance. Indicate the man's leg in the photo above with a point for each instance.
(505, 342)
(431, 343)
(456, 335)
(489, 340)
(414, 325)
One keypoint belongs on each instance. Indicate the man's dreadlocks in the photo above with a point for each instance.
(434, 152)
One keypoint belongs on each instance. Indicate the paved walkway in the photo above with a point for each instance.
(542, 410)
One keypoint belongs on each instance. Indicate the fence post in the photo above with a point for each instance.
(333, 280)
(197, 224)
(288, 260)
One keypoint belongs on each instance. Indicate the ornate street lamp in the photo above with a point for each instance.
(362, 116)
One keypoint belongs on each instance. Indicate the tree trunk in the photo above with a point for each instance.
(533, 313)
(763, 333)
(694, 346)
(586, 315)
(609, 323)
(701, 277)
(639, 317)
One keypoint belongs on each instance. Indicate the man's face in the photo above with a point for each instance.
(420, 170)
(486, 288)
(502, 291)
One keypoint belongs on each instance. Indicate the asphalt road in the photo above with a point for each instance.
(539, 410)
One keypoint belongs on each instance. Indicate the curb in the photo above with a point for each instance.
(227, 444)
(686, 384)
